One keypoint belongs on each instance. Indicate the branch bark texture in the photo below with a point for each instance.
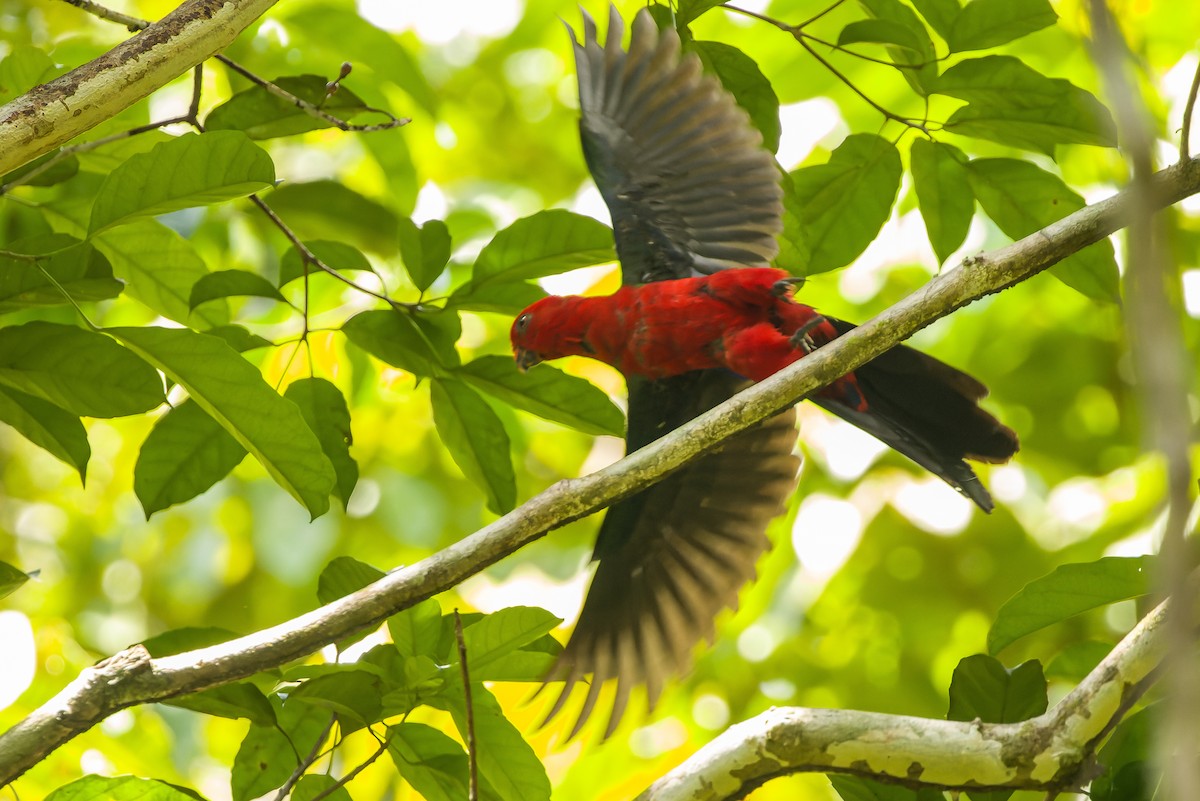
(58, 111)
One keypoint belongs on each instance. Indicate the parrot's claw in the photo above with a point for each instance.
(784, 287)
(802, 339)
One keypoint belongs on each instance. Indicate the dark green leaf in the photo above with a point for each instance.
(421, 344)
(352, 695)
(159, 268)
(343, 576)
(1013, 104)
(1022, 198)
(325, 411)
(844, 203)
(940, 14)
(62, 169)
(1068, 591)
(262, 115)
(425, 250)
(502, 298)
(690, 9)
(239, 338)
(232, 283)
(983, 688)
(329, 210)
(233, 701)
(918, 77)
(503, 632)
(943, 194)
(855, 788)
(337, 255)
(1128, 758)
(1077, 660)
(318, 785)
(188, 638)
(881, 31)
(986, 23)
(84, 372)
(231, 390)
(120, 788)
(185, 453)
(75, 268)
(744, 80)
(476, 439)
(546, 392)
(191, 170)
(430, 761)
(11, 579)
(22, 69)
(268, 754)
(51, 428)
(417, 631)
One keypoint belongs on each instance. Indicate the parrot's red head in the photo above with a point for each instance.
(547, 329)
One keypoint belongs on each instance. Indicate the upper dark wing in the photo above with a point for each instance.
(930, 412)
(675, 554)
(683, 171)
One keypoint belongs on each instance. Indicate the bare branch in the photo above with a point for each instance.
(132, 677)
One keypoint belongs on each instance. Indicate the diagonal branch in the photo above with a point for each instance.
(133, 677)
(56, 112)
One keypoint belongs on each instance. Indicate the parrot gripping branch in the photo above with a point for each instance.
(110, 686)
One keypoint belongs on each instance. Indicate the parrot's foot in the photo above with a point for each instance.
(802, 339)
(784, 287)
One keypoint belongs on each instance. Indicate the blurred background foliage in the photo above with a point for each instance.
(881, 579)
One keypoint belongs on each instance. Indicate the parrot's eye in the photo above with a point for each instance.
(523, 322)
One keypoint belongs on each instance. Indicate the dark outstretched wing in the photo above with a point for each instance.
(690, 190)
(674, 555)
(683, 172)
(928, 411)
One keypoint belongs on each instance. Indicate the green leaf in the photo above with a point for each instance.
(22, 69)
(63, 168)
(11, 579)
(1010, 103)
(506, 762)
(188, 638)
(502, 298)
(918, 77)
(159, 268)
(337, 255)
(82, 371)
(529, 664)
(405, 340)
(430, 761)
(844, 203)
(881, 31)
(231, 390)
(343, 576)
(740, 75)
(545, 243)
(352, 695)
(232, 283)
(943, 194)
(505, 631)
(318, 785)
(329, 210)
(855, 788)
(233, 701)
(120, 788)
(185, 453)
(1022, 198)
(476, 440)
(191, 170)
(425, 250)
(940, 14)
(51, 428)
(691, 9)
(1127, 758)
(239, 338)
(74, 267)
(986, 23)
(1078, 659)
(983, 688)
(1068, 591)
(546, 392)
(417, 631)
(268, 754)
(324, 409)
(262, 115)
(794, 250)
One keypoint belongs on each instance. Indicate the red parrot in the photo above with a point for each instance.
(696, 206)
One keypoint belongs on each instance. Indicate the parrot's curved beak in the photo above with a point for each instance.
(526, 359)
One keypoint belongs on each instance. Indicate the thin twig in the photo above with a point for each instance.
(850, 84)
(342, 782)
(307, 762)
(1188, 109)
(820, 14)
(472, 762)
(97, 10)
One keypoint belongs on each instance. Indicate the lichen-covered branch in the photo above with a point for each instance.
(56, 112)
(1051, 752)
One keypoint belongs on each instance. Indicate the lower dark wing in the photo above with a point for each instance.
(928, 411)
(675, 554)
